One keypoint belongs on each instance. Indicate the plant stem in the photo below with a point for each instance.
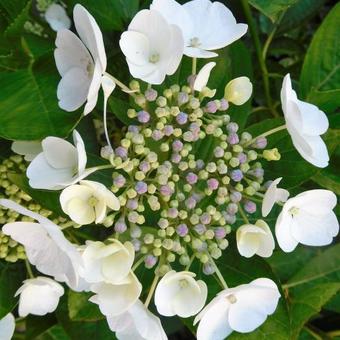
(121, 85)
(244, 216)
(29, 269)
(266, 134)
(151, 291)
(190, 263)
(218, 273)
(137, 264)
(259, 54)
(194, 65)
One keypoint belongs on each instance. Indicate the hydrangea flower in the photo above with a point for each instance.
(152, 47)
(39, 296)
(206, 25)
(255, 239)
(307, 218)
(241, 309)
(178, 293)
(87, 202)
(29, 149)
(59, 165)
(305, 123)
(80, 62)
(107, 262)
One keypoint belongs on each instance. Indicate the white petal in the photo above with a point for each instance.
(82, 158)
(315, 230)
(175, 50)
(272, 196)
(214, 321)
(70, 52)
(94, 88)
(90, 34)
(45, 245)
(203, 76)
(116, 299)
(73, 89)
(7, 327)
(29, 149)
(57, 17)
(39, 296)
(43, 176)
(267, 243)
(71, 192)
(196, 52)
(59, 153)
(283, 232)
(248, 239)
(135, 46)
(315, 121)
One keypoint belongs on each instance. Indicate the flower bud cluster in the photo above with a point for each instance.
(179, 201)
(10, 250)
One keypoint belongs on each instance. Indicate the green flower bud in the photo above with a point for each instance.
(184, 260)
(234, 162)
(271, 155)
(131, 113)
(171, 257)
(157, 251)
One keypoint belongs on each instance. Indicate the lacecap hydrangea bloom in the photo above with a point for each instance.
(169, 206)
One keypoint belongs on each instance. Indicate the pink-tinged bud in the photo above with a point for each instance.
(150, 261)
(242, 157)
(150, 95)
(141, 187)
(250, 207)
(120, 226)
(121, 152)
(182, 118)
(235, 196)
(168, 130)
(211, 107)
(190, 203)
(191, 178)
(182, 229)
(200, 229)
(177, 145)
(119, 181)
(260, 143)
(220, 233)
(233, 139)
(224, 105)
(132, 204)
(157, 135)
(213, 183)
(236, 175)
(143, 116)
(205, 218)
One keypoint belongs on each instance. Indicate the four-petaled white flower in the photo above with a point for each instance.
(80, 62)
(241, 309)
(115, 299)
(255, 239)
(39, 296)
(7, 327)
(137, 323)
(238, 90)
(152, 47)
(205, 25)
(305, 123)
(110, 262)
(307, 219)
(203, 75)
(45, 245)
(178, 293)
(57, 17)
(28, 149)
(59, 165)
(272, 196)
(88, 201)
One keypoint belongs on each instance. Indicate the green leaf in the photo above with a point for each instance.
(324, 267)
(298, 13)
(13, 15)
(11, 277)
(110, 14)
(82, 330)
(308, 302)
(29, 103)
(329, 180)
(80, 309)
(321, 67)
(272, 8)
(55, 332)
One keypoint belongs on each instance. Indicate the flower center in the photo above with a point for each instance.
(183, 283)
(231, 298)
(294, 211)
(194, 42)
(90, 68)
(154, 58)
(92, 201)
